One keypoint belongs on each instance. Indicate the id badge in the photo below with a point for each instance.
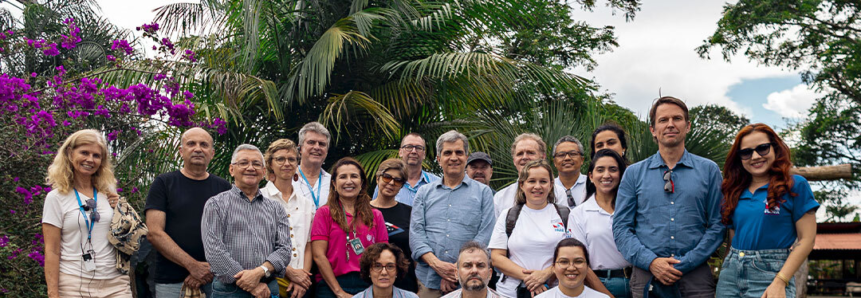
(357, 246)
(89, 262)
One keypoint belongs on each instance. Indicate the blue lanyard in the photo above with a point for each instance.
(316, 197)
(81, 208)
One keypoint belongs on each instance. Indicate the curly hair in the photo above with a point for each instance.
(520, 196)
(373, 252)
(736, 179)
(363, 201)
(61, 174)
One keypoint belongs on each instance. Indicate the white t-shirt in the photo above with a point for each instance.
(300, 214)
(63, 211)
(578, 191)
(593, 226)
(587, 293)
(532, 242)
(323, 194)
(504, 198)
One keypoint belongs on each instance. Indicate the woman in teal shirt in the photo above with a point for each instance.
(765, 209)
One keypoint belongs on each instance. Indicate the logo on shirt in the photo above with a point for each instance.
(771, 211)
(370, 238)
(558, 226)
(393, 229)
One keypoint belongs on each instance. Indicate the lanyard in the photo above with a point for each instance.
(350, 225)
(316, 197)
(81, 208)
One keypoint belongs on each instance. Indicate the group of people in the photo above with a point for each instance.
(622, 230)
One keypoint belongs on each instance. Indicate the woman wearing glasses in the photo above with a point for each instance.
(282, 160)
(342, 231)
(766, 209)
(522, 254)
(382, 265)
(79, 261)
(592, 222)
(570, 264)
(391, 176)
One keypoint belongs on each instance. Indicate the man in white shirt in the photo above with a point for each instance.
(526, 147)
(313, 182)
(570, 185)
(473, 273)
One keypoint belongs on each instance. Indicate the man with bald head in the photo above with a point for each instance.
(174, 209)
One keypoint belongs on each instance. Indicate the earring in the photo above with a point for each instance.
(295, 177)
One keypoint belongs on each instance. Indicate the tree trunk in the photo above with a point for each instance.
(820, 173)
(801, 280)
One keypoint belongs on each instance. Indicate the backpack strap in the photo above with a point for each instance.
(563, 212)
(511, 218)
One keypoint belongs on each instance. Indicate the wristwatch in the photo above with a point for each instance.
(266, 273)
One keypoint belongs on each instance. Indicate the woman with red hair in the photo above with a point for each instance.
(765, 209)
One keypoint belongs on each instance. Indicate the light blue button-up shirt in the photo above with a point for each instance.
(651, 223)
(445, 218)
(407, 194)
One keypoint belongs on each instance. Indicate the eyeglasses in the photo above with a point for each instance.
(573, 153)
(91, 205)
(762, 150)
(669, 185)
(388, 179)
(244, 164)
(564, 263)
(281, 160)
(571, 202)
(418, 148)
(390, 267)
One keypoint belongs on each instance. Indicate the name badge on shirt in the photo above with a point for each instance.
(89, 262)
(357, 246)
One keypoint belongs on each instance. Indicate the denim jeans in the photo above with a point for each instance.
(173, 290)
(618, 286)
(220, 290)
(747, 273)
(351, 283)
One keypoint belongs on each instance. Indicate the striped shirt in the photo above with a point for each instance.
(241, 234)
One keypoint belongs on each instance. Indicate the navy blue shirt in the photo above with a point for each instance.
(685, 224)
(757, 227)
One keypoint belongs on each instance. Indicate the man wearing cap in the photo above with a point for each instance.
(413, 150)
(479, 167)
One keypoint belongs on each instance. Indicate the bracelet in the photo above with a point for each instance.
(783, 278)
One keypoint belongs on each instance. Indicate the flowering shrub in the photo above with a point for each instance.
(39, 111)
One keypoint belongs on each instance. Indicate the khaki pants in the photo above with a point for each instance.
(425, 292)
(77, 286)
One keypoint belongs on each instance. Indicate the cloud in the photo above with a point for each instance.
(792, 103)
(657, 51)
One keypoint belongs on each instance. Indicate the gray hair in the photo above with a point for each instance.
(315, 127)
(542, 147)
(247, 147)
(451, 136)
(472, 245)
(569, 139)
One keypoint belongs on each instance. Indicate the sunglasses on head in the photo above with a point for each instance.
(90, 205)
(669, 185)
(762, 150)
(388, 179)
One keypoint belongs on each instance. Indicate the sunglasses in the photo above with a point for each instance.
(388, 179)
(762, 150)
(90, 205)
(669, 186)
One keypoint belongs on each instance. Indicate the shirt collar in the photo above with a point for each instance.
(580, 180)
(591, 205)
(272, 190)
(465, 182)
(242, 196)
(655, 161)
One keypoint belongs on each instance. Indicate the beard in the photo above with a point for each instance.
(471, 286)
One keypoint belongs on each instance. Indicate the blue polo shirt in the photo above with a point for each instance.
(757, 227)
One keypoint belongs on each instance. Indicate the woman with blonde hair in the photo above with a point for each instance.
(79, 260)
(282, 160)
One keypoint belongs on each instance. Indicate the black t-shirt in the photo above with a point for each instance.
(398, 225)
(182, 200)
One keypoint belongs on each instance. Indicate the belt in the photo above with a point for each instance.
(625, 273)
